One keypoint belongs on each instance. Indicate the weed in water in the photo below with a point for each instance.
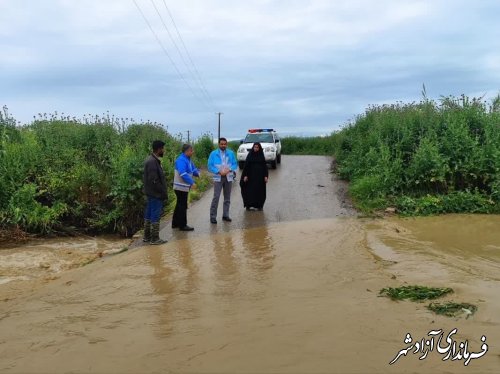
(415, 293)
(452, 309)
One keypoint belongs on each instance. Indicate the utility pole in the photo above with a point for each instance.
(218, 128)
(188, 136)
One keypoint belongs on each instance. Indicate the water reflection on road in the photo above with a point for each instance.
(298, 296)
(164, 287)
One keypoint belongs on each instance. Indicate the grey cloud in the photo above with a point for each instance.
(304, 67)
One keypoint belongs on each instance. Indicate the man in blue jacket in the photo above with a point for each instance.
(223, 165)
(183, 182)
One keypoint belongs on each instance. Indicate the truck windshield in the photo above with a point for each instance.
(259, 137)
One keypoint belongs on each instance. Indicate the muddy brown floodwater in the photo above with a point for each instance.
(292, 289)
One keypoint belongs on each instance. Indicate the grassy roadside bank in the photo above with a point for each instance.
(424, 158)
(61, 174)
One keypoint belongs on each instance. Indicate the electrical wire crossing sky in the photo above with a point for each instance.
(303, 68)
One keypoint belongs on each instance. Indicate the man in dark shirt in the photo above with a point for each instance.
(155, 188)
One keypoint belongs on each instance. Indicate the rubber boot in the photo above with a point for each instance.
(147, 231)
(155, 234)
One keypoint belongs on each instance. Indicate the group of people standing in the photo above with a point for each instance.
(222, 165)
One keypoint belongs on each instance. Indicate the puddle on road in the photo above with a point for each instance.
(299, 296)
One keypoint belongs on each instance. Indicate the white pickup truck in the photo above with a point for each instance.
(270, 142)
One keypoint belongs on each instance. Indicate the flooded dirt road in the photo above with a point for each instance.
(301, 188)
(287, 295)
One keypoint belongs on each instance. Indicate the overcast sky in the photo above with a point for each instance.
(304, 67)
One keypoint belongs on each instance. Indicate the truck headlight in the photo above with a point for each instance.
(270, 149)
(241, 150)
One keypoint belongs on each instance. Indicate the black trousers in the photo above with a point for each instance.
(180, 213)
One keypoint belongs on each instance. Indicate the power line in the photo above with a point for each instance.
(179, 51)
(166, 52)
(188, 54)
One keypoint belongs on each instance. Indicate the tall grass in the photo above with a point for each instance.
(59, 172)
(427, 157)
(318, 145)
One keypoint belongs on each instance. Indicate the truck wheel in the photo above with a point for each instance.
(279, 158)
(273, 164)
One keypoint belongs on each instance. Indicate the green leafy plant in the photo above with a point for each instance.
(452, 309)
(427, 157)
(203, 146)
(25, 211)
(415, 293)
(316, 145)
(60, 171)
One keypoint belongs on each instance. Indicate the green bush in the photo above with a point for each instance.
(428, 157)
(203, 147)
(367, 192)
(295, 145)
(19, 162)
(25, 211)
(126, 201)
(60, 171)
(428, 168)
(454, 202)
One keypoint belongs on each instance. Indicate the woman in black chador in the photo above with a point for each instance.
(254, 178)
